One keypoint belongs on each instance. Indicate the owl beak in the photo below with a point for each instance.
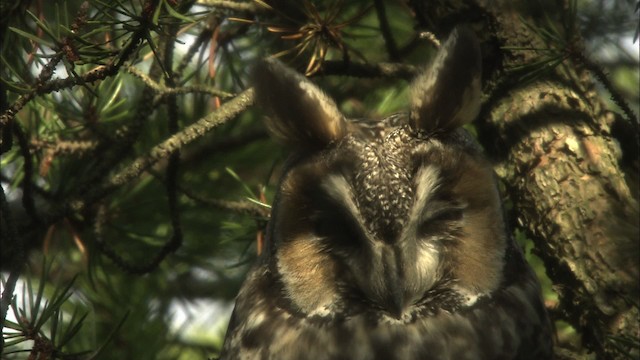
(389, 284)
(396, 304)
(396, 301)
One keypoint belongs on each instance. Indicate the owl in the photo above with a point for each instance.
(387, 238)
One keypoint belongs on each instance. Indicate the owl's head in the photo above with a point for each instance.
(389, 214)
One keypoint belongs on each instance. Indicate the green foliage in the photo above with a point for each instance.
(51, 318)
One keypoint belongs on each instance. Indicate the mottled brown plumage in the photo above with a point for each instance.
(387, 239)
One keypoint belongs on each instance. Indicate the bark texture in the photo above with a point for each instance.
(554, 149)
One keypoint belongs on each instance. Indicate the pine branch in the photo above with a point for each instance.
(14, 238)
(201, 127)
(43, 86)
(239, 207)
(166, 90)
(231, 5)
(391, 70)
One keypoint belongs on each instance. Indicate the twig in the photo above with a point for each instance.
(204, 35)
(242, 207)
(228, 143)
(99, 73)
(389, 41)
(170, 246)
(231, 5)
(174, 159)
(165, 90)
(175, 241)
(618, 99)
(45, 75)
(431, 37)
(392, 70)
(64, 147)
(28, 201)
(162, 151)
(239, 207)
(18, 261)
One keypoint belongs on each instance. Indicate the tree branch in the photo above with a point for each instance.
(162, 151)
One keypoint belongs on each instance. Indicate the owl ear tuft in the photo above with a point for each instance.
(299, 113)
(448, 93)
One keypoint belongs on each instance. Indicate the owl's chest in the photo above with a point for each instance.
(279, 335)
(265, 329)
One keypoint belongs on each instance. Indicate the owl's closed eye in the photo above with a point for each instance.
(387, 238)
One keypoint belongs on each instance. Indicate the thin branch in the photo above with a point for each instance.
(64, 147)
(228, 143)
(171, 183)
(133, 268)
(387, 34)
(11, 233)
(204, 36)
(231, 5)
(618, 99)
(196, 130)
(239, 207)
(28, 201)
(112, 153)
(99, 73)
(165, 90)
(391, 70)
(174, 159)
(242, 207)
(43, 77)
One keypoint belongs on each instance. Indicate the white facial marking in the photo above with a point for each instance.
(427, 263)
(337, 187)
(470, 297)
(427, 182)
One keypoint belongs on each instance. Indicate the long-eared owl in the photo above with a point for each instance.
(387, 238)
